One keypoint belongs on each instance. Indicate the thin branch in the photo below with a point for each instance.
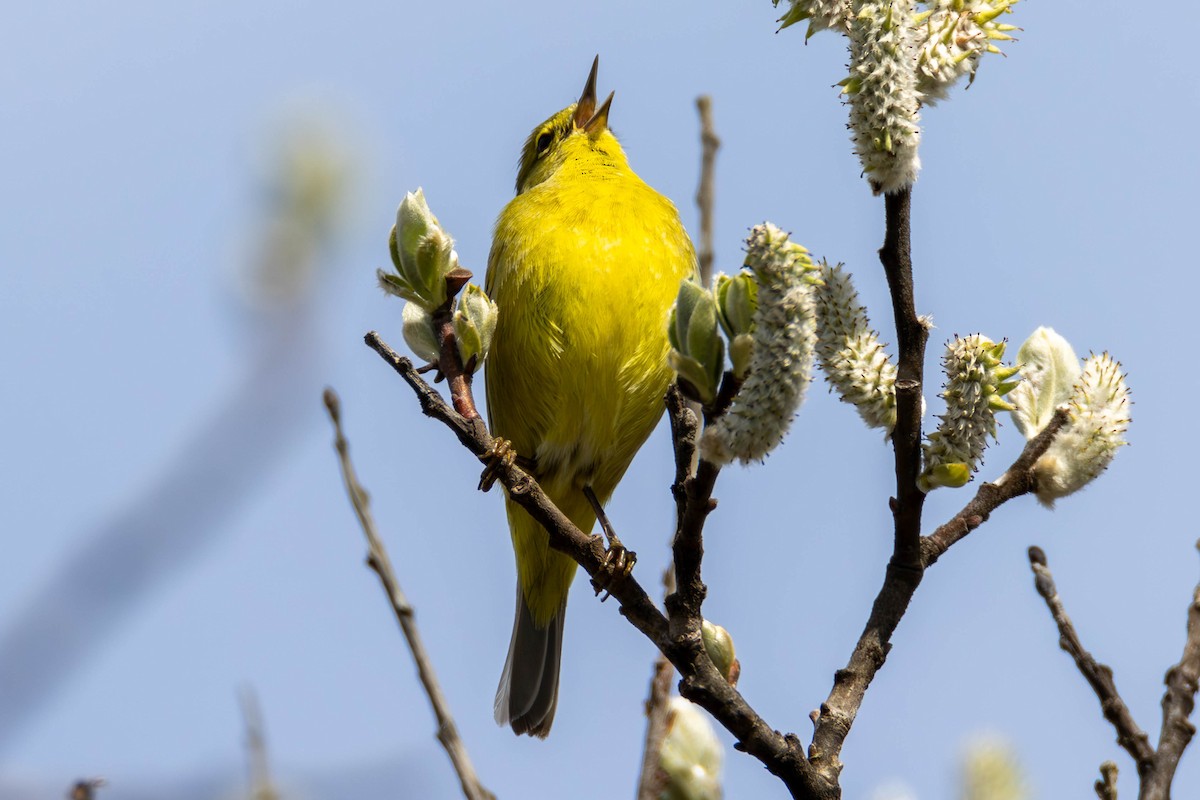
(911, 336)
(1017, 480)
(1106, 787)
(701, 683)
(586, 550)
(905, 569)
(694, 502)
(377, 560)
(685, 432)
(837, 714)
(709, 144)
(1099, 676)
(261, 785)
(1182, 681)
(653, 779)
(86, 789)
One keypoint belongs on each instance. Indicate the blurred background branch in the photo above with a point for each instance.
(220, 465)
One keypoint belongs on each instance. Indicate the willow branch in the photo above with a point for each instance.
(1099, 676)
(911, 336)
(905, 569)
(1182, 681)
(837, 714)
(701, 683)
(258, 764)
(685, 430)
(378, 561)
(1017, 480)
(653, 779)
(86, 789)
(709, 144)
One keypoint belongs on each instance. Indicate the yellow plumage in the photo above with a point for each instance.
(585, 264)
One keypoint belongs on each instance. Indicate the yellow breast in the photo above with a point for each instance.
(584, 267)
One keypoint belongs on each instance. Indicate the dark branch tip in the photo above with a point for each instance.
(1037, 556)
(332, 403)
(456, 279)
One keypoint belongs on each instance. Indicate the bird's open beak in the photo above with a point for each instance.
(599, 120)
(585, 109)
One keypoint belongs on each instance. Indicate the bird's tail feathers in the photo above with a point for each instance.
(528, 693)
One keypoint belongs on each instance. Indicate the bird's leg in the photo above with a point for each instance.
(618, 560)
(500, 455)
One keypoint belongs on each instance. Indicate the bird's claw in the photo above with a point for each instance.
(500, 455)
(616, 567)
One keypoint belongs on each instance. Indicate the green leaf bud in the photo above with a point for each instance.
(1050, 368)
(474, 324)
(719, 646)
(697, 350)
(422, 254)
(419, 333)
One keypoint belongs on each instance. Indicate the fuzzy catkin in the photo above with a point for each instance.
(821, 15)
(951, 37)
(1087, 444)
(976, 383)
(781, 366)
(883, 95)
(850, 353)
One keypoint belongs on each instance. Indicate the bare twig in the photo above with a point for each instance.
(1106, 786)
(905, 569)
(701, 683)
(1182, 681)
(658, 714)
(685, 431)
(261, 785)
(911, 336)
(709, 144)
(837, 713)
(1017, 480)
(1099, 676)
(1155, 767)
(378, 561)
(85, 789)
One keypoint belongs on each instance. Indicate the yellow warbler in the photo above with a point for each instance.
(585, 264)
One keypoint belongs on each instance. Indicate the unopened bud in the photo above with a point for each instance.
(737, 300)
(422, 254)
(697, 351)
(1050, 370)
(474, 324)
(419, 333)
(719, 646)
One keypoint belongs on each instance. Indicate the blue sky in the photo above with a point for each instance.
(1055, 191)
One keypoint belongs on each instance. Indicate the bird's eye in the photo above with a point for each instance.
(543, 142)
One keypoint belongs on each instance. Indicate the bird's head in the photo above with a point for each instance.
(579, 128)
